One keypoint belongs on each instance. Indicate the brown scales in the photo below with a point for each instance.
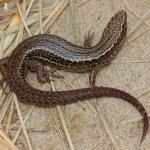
(32, 52)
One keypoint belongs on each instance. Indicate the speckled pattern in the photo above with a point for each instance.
(129, 72)
(62, 53)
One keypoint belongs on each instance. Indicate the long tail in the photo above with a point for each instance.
(66, 97)
(98, 92)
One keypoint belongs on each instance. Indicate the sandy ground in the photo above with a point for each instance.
(129, 72)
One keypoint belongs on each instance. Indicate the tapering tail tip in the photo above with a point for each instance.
(142, 139)
(145, 128)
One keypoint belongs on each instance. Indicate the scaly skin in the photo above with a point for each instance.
(57, 52)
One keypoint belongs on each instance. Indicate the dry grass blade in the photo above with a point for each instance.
(73, 18)
(52, 17)
(3, 96)
(8, 40)
(63, 123)
(137, 36)
(40, 16)
(65, 128)
(82, 2)
(103, 120)
(25, 120)
(2, 45)
(134, 12)
(141, 20)
(29, 8)
(131, 62)
(96, 145)
(60, 133)
(113, 5)
(10, 117)
(23, 19)
(59, 6)
(5, 108)
(108, 129)
(34, 18)
(134, 119)
(12, 146)
(22, 122)
(138, 24)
